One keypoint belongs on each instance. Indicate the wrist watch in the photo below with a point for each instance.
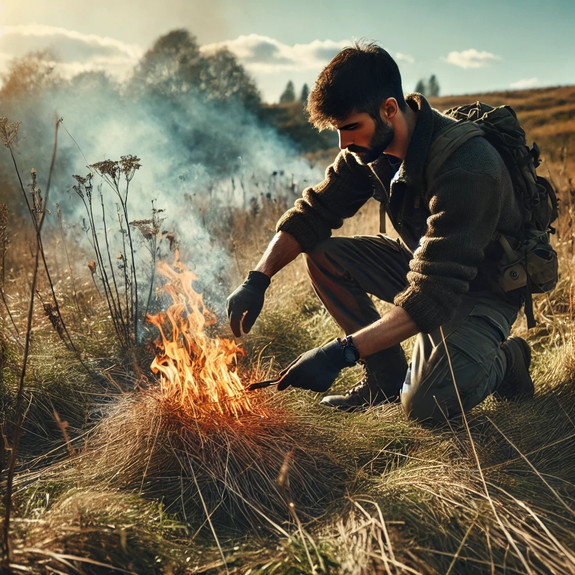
(350, 353)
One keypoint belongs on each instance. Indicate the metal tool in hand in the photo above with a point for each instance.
(262, 384)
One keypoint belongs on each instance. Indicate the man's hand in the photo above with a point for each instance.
(317, 368)
(246, 302)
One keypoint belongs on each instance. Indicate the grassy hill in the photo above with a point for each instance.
(546, 114)
(121, 471)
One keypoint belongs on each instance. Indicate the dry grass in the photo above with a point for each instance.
(230, 473)
(141, 489)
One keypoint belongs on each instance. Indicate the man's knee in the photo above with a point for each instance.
(332, 249)
(427, 408)
(430, 395)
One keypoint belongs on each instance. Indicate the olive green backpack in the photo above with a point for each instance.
(529, 261)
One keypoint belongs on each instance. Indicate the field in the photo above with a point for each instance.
(113, 461)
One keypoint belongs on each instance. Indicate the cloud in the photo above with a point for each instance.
(404, 58)
(471, 58)
(265, 55)
(524, 83)
(72, 50)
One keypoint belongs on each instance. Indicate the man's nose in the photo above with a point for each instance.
(344, 140)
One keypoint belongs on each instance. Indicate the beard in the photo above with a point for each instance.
(382, 137)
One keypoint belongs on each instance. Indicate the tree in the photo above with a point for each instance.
(429, 88)
(224, 79)
(175, 66)
(30, 75)
(433, 87)
(304, 94)
(421, 87)
(288, 95)
(172, 66)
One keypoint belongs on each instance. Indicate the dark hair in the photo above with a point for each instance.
(360, 77)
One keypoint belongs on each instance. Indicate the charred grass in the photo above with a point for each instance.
(112, 479)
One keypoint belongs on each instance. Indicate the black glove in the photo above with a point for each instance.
(317, 368)
(246, 302)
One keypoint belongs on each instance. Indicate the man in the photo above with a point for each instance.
(441, 277)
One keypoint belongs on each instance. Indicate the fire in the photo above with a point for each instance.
(196, 372)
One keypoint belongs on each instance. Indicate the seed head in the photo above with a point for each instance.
(8, 131)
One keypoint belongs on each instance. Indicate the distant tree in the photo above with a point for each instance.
(30, 75)
(175, 66)
(429, 88)
(288, 95)
(421, 87)
(304, 94)
(433, 87)
(224, 79)
(171, 66)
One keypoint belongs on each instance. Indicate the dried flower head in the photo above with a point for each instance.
(107, 168)
(8, 131)
(148, 228)
(129, 164)
(84, 185)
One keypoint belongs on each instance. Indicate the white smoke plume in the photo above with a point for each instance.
(198, 159)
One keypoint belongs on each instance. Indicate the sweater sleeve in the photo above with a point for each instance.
(348, 184)
(464, 206)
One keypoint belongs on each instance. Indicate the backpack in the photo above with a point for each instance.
(528, 260)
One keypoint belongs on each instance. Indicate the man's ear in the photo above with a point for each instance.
(388, 109)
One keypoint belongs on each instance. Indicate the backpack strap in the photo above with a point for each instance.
(446, 142)
(521, 280)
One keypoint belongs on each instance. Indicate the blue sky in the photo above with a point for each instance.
(471, 46)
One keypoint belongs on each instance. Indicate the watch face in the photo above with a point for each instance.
(350, 354)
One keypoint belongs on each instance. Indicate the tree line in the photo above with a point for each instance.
(172, 67)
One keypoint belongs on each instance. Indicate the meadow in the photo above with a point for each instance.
(113, 463)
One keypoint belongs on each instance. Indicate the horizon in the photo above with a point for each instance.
(520, 50)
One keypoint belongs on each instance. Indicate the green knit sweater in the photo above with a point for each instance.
(448, 222)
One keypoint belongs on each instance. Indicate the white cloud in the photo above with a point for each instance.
(265, 55)
(471, 58)
(53, 33)
(524, 83)
(73, 50)
(404, 58)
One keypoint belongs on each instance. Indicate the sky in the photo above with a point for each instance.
(470, 46)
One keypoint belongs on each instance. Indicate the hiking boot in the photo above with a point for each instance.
(516, 384)
(384, 376)
(360, 396)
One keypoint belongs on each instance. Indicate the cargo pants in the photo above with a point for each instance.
(456, 365)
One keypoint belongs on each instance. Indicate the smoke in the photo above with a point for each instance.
(199, 160)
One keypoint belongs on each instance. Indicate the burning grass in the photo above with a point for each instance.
(233, 474)
(214, 452)
(197, 373)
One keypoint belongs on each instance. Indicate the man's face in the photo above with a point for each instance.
(366, 137)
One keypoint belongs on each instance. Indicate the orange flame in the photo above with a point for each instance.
(197, 372)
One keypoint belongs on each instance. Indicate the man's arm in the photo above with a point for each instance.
(318, 368)
(394, 327)
(282, 249)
